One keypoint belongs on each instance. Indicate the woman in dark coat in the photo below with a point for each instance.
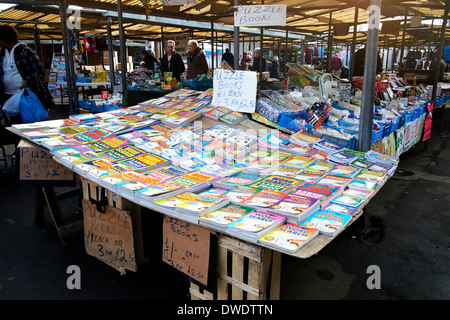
(196, 60)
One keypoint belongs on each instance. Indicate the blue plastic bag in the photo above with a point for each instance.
(31, 108)
(11, 106)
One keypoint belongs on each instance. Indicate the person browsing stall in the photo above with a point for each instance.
(19, 64)
(196, 60)
(172, 61)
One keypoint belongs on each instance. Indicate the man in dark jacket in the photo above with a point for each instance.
(150, 62)
(197, 63)
(228, 57)
(256, 62)
(172, 61)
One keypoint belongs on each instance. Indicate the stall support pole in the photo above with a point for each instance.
(111, 57)
(212, 46)
(71, 86)
(330, 43)
(402, 51)
(370, 74)
(37, 42)
(123, 62)
(438, 62)
(236, 42)
(353, 46)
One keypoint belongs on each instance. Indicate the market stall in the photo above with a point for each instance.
(182, 158)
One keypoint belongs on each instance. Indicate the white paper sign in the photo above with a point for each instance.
(235, 90)
(260, 15)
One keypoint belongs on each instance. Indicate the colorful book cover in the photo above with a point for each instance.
(256, 221)
(241, 193)
(350, 201)
(377, 177)
(233, 117)
(334, 180)
(225, 215)
(305, 138)
(88, 136)
(276, 183)
(361, 163)
(264, 199)
(327, 146)
(239, 179)
(158, 189)
(122, 153)
(287, 172)
(357, 193)
(320, 166)
(308, 175)
(328, 222)
(202, 203)
(344, 170)
(297, 161)
(362, 184)
(319, 155)
(217, 112)
(144, 162)
(293, 204)
(315, 191)
(108, 143)
(339, 208)
(70, 151)
(289, 237)
(166, 173)
(178, 199)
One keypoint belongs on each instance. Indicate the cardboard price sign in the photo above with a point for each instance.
(109, 236)
(37, 164)
(186, 248)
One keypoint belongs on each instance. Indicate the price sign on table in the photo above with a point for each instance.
(186, 248)
(235, 90)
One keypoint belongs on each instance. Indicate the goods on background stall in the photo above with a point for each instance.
(254, 191)
(329, 107)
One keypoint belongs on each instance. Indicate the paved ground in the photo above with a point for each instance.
(406, 236)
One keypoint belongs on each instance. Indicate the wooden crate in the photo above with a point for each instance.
(93, 191)
(245, 271)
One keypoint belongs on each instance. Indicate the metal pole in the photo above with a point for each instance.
(123, 62)
(68, 58)
(370, 74)
(37, 42)
(212, 46)
(236, 42)
(402, 51)
(440, 51)
(111, 56)
(353, 46)
(330, 43)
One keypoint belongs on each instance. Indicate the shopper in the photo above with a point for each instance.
(172, 61)
(19, 65)
(256, 61)
(196, 60)
(275, 68)
(149, 60)
(228, 57)
(336, 65)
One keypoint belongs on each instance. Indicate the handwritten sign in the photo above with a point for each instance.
(260, 15)
(186, 248)
(235, 90)
(37, 164)
(109, 236)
